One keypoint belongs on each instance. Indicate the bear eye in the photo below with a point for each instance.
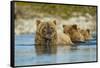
(44, 30)
(51, 27)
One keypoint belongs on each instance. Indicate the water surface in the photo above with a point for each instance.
(26, 53)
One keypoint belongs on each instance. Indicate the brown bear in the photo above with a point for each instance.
(86, 33)
(46, 33)
(74, 33)
(63, 39)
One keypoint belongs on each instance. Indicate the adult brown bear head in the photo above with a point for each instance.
(74, 33)
(46, 29)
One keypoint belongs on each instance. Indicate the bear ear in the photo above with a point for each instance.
(75, 26)
(64, 26)
(38, 22)
(88, 30)
(54, 21)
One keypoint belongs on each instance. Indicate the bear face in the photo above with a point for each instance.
(74, 33)
(66, 29)
(46, 31)
(86, 33)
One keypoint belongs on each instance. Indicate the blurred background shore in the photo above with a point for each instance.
(27, 13)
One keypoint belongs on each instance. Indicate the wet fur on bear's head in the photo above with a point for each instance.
(66, 28)
(86, 33)
(46, 30)
(73, 32)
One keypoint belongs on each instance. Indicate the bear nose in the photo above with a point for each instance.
(49, 31)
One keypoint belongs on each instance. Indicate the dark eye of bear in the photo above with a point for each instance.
(44, 30)
(52, 29)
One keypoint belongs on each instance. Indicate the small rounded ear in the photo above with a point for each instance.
(75, 26)
(38, 22)
(64, 26)
(88, 30)
(54, 22)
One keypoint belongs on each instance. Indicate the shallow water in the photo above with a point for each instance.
(26, 53)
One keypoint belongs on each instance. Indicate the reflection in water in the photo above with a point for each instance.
(37, 54)
(45, 49)
(53, 49)
(29, 54)
(46, 54)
